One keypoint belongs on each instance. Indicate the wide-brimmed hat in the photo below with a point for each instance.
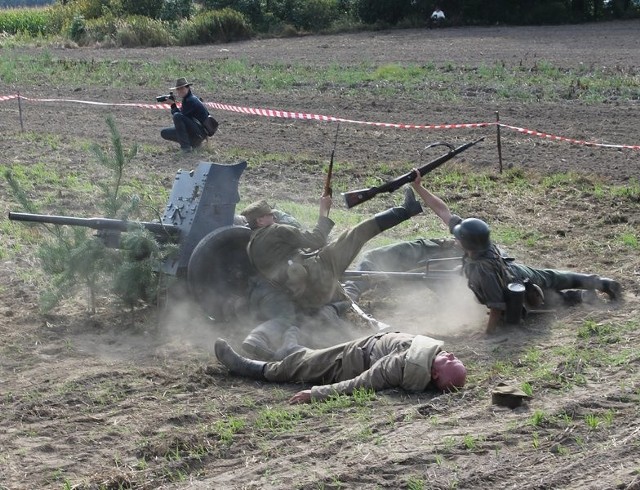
(181, 82)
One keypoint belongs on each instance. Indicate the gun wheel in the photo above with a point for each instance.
(219, 271)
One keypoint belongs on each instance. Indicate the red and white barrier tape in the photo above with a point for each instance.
(319, 117)
(569, 140)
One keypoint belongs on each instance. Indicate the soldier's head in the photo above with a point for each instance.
(448, 372)
(473, 234)
(258, 214)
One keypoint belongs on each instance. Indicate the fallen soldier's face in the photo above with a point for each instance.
(448, 372)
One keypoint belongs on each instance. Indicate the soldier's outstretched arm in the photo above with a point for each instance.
(325, 206)
(436, 204)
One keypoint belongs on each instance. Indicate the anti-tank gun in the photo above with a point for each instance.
(201, 208)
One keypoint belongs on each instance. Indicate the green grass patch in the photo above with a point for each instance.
(495, 82)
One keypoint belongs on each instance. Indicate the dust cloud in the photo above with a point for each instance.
(447, 308)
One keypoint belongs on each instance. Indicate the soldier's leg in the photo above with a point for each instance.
(558, 280)
(339, 254)
(404, 256)
(266, 339)
(238, 364)
(266, 302)
(307, 366)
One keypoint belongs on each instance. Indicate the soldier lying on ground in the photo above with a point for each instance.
(278, 252)
(377, 362)
(489, 273)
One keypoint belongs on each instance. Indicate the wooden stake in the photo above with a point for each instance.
(499, 141)
(20, 113)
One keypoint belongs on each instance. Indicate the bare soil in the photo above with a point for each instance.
(137, 400)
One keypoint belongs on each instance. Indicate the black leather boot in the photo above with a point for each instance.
(237, 364)
(585, 281)
(391, 217)
(612, 288)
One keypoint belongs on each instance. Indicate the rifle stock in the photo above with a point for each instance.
(353, 198)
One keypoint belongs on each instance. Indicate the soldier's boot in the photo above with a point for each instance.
(237, 364)
(289, 344)
(391, 217)
(610, 287)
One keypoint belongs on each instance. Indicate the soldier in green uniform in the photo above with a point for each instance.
(283, 325)
(489, 273)
(377, 362)
(302, 262)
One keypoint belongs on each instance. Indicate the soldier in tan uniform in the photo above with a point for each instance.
(376, 362)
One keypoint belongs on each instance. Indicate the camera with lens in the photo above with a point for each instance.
(164, 98)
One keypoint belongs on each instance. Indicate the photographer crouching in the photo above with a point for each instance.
(192, 123)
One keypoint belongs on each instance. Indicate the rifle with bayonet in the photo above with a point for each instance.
(354, 198)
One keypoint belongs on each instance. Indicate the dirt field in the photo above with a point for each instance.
(93, 402)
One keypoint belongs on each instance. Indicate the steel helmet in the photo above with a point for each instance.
(473, 234)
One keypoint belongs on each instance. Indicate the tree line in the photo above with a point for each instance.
(319, 15)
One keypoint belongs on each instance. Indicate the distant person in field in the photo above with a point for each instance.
(437, 17)
(188, 119)
(377, 362)
(489, 272)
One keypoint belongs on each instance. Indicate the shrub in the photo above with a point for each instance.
(137, 30)
(89, 9)
(77, 28)
(215, 26)
(98, 30)
(251, 9)
(314, 15)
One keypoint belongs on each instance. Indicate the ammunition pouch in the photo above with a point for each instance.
(514, 298)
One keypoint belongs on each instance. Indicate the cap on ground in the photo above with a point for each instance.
(508, 396)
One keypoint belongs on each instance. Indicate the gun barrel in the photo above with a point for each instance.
(416, 276)
(96, 223)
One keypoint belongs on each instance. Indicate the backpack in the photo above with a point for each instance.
(210, 125)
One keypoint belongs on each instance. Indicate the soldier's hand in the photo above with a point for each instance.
(325, 205)
(417, 178)
(301, 397)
